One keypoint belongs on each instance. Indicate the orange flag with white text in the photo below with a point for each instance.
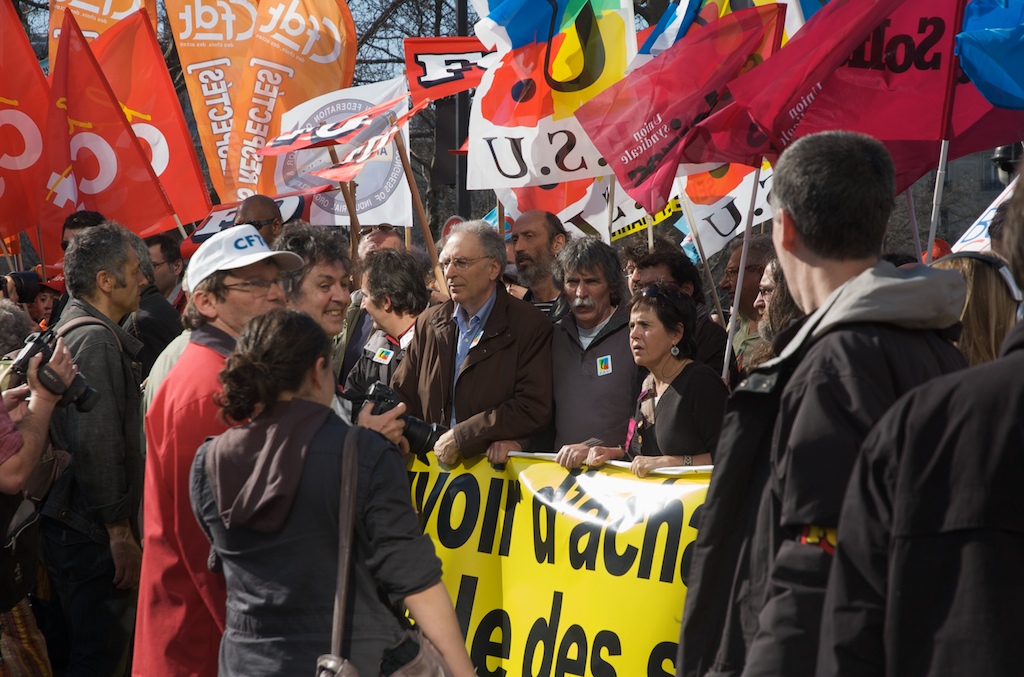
(92, 159)
(23, 100)
(93, 17)
(213, 38)
(133, 64)
(301, 49)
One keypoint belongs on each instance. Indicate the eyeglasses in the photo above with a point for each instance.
(381, 228)
(653, 291)
(255, 287)
(732, 273)
(629, 270)
(256, 224)
(162, 263)
(460, 262)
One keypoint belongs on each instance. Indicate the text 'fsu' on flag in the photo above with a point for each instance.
(440, 67)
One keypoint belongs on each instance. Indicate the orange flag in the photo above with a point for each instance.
(23, 99)
(92, 159)
(94, 17)
(134, 66)
(301, 49)
(212, 39)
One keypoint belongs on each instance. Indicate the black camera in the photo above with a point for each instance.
(421, 435)
(26, 283)
(83, 395)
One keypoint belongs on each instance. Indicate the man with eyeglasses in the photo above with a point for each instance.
(759, 252)
(263, 214)
(233, 277)
(168, 268)
(480, 362)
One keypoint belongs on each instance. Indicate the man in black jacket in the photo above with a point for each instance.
(794, 427)
(926, 578)
(156, 323)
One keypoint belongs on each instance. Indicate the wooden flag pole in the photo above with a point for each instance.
(913, 221)
(501, 218)
(7, 255)
(688, 209)
(428, 239)
(650, 232)
(940, 179)
(42, 257)
(734, 317)
(611, 207)
(181, 228)
(348, 192)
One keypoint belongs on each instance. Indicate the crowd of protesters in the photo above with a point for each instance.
(863, 515)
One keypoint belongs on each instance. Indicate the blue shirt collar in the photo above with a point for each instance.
(478, 320)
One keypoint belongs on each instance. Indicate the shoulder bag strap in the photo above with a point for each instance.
(346, 522)
(84, 321)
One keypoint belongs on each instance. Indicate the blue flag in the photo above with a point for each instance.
(991, 49)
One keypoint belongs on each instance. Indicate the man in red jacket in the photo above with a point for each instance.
(232, 278)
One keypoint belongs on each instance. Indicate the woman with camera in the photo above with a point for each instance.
(267, 494)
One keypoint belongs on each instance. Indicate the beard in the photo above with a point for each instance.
(536, 271)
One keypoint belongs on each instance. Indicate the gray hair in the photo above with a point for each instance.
(15, 325)
(103, 247)
(591, 254)
(492, 242)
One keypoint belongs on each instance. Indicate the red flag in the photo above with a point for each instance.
(134, 66)
(728, 135)
(335, 133)
(92, 159)
(364, 147)
(440, 67)
(638, 122)
(23, 99)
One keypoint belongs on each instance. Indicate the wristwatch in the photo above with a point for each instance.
(687, 460)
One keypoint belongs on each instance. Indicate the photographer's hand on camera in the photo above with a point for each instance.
(387, 424)
(42, 379)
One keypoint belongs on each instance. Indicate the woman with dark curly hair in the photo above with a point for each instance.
(267, 494)
(682, 402)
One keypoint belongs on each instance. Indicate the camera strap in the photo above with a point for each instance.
(85, 321)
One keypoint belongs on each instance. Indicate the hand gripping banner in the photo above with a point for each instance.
(558, 572)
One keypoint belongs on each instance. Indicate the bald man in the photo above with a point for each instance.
(262, 213)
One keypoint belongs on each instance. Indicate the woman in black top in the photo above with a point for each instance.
(266, 493)
(682, 402)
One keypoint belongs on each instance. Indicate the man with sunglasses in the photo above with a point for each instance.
(767, 536)
(232, 278)
(263, 214)
(480, 362)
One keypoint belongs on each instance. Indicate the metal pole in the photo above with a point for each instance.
(688, 209)
(733, 318)
(940, 180)
(462, 204)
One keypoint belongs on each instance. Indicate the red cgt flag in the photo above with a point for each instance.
(639, 122)
(92, 159)
(133, 64)
(23, 99)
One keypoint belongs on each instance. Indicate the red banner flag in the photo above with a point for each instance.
(728, 135)
(92, 158)
(23, 99)
(362, 149)
(134, 66)
(440, 67)
(639, 122)
(797, 73)
(334, 133)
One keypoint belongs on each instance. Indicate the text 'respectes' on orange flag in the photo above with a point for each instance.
(133, 64)
(639, 122)
(24, 95)
(94, 17)
(92, 159)
(440, 67)
(301, 49)
(212, 40)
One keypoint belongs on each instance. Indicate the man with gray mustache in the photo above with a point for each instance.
(596, 382)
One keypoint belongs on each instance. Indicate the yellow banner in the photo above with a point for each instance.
(558, 572)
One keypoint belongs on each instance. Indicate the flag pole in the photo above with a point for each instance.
(913, 220)
(7, 255)
(42, 257)
(501, 216)
(940, 180)
(181, 228)
(611, 207)
(428, 239)
(688, 210)
(349, 194)
(649, 220)
(733, 318)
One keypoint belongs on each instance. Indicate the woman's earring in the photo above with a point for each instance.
(675, 351)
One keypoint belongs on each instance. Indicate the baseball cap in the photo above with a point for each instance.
(235, 248)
